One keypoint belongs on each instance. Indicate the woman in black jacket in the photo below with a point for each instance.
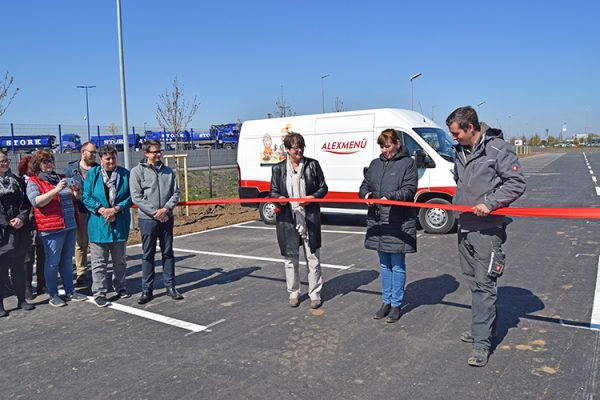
(15, 232)
(391, 230)
(299, 224)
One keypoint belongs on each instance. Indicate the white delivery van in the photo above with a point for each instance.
(344, 143)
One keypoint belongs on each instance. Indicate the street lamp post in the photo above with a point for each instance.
(412, 78)
(323, 93)
(87, 108)
(479, 105)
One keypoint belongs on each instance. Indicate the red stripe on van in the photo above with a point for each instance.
(264, 186)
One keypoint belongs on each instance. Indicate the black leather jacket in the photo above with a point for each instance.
(287, 235)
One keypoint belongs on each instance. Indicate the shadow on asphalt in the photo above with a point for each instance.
(346, 283)
(428, 291)
(513, 304)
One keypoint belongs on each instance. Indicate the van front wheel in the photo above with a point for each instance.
(267, 213)
(436, 220)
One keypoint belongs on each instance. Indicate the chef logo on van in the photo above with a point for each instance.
(344, 147)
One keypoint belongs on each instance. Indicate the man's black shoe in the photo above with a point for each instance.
(383, 311)
(174, 294)
(394, 315)
(145, 297)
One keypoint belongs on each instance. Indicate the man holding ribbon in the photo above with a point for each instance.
(299, 224)
(488, 176)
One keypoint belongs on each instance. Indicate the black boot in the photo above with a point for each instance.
(383, 311)
(173, 293)
(394, 315)
(145, 297)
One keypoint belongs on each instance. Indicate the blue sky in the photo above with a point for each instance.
(534, 63)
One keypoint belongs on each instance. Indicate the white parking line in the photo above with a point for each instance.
(594, 178)
(595, 321)
(322, 230)
(598, 190)
(591, 172)
(278, 260)
(193, 328)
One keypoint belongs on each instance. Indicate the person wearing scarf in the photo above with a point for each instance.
(299, 224)
(14, 230)
(56, 217)
(107, 198)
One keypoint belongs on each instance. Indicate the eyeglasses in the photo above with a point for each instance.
(92, 152)
(154, 152)
(297, 148)
(7, 161)
(48, 161)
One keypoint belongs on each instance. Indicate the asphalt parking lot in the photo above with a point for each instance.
(235, 337)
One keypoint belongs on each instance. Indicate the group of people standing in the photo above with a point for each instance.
(487, 174)
(92, 203)
(87, 206)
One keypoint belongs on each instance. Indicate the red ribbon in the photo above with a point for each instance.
(547, 212)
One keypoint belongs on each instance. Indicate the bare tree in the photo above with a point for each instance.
(113, 129)
(339, 104)
(6, 95)
(173, 112)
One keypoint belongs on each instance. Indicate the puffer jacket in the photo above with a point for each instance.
(391, 229)
(153, 188)
(287, 235)
(492, 176)
(15, 242)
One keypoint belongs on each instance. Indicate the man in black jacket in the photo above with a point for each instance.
(299, 224)
(488, 177)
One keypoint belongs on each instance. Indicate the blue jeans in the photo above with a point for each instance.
(393, 275)
(59, 248)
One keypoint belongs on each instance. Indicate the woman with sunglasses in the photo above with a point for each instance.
(56, 216)
(15, 233)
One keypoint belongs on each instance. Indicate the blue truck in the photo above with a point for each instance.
(117, 140)
(223, 136)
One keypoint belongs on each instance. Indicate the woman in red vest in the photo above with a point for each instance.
(56, 218)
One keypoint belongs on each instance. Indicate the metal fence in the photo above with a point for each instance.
(197, 159)
(59, 130)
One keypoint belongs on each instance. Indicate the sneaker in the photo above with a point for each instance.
(314, 304)
(294, 302)
(57, 301)
(101, 301)
(394, 315)
(478, 357)
(26, 306)
(123, 294)
(383, 311)
(76, 296)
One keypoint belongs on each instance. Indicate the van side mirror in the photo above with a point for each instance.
(423, 160)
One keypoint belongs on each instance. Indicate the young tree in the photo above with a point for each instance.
(6, 95)
(173, 112)
(339, 104)
(113, 129)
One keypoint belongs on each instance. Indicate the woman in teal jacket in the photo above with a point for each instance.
(106, 196)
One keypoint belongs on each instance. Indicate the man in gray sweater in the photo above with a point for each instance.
(155, 192)
(488, 177)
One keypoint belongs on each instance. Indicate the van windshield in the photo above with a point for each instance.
(439, 140)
